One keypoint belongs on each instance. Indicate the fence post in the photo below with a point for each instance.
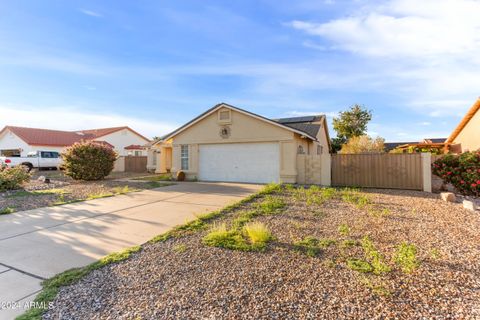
(427, 171)
(326, 170)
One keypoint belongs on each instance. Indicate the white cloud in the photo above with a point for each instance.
(91, 13)
(406, 28)
(425, 51)
(76, 119)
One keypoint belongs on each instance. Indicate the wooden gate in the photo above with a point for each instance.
(136, 164)
(395, 171)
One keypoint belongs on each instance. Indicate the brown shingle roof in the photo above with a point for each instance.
(59, 138)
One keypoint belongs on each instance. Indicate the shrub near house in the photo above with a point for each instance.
(88, 161)
(462, 171)
(12, 178)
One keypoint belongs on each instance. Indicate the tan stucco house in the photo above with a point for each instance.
(226, 143)
(466, 136)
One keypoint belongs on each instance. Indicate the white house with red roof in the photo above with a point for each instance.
(18, 141)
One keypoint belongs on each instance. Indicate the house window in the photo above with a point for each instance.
(300, 150)
(224, 116)
(138, 153)
(184, 157)
(319, 149)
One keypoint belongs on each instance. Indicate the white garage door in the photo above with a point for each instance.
(240, 162)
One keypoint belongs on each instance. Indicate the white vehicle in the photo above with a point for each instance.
(34, 159)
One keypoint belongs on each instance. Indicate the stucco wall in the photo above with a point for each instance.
(469, 137)
(122, 139)
(119, 165)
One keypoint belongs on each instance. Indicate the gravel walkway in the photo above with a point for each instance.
(183, 279)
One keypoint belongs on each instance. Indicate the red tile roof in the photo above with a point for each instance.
(46, 137)
(134, 147)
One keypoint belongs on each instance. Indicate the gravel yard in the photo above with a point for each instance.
(62, 189)
(358, 268)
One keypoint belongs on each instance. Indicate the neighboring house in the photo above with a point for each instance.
(425, 144)
(18, 141)
(226, 143)
(466, 136)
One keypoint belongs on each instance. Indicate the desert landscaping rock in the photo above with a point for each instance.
(161, 282)
(469, 205)
(448, 196)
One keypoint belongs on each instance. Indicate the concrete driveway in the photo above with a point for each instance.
(37, 244)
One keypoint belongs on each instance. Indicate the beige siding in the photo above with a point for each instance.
(469, 137)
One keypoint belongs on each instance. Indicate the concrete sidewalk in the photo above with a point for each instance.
(37, 244)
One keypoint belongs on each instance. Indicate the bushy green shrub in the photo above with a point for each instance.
(462, 171)
(12, 178)
(88, 161)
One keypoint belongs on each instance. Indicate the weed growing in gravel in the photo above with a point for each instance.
(374, 256)
(355, 197)
(435, 254)
(344, 229)
(348, 243)
(258, 233)
(317, 195)
(180, 248)
(52, 286)
(312, 246)
(330, 263)
(378, 288)
(319, 214)
(7, 210)
(220, 236)
(359, 265)
(379, 213)
(271, 188)
(25, 193)
(123, 190)
(271, 205)
(406, 257)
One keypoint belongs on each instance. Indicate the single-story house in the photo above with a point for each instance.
(18, 141)
(466, 136)
(226, 143)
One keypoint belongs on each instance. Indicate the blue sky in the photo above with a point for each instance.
(154, 65)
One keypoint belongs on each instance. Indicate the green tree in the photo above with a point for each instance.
(363, 144)
(350, 123)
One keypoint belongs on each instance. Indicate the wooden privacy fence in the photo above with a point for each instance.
(136, 164)
(395, 171)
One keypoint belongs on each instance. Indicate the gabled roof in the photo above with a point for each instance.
(59, 138)
(308, 124)
(225, 105)
(470, 113)
(105, 131)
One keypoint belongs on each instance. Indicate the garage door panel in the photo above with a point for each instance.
(240, 162)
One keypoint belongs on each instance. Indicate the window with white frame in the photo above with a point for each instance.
(184, 157)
